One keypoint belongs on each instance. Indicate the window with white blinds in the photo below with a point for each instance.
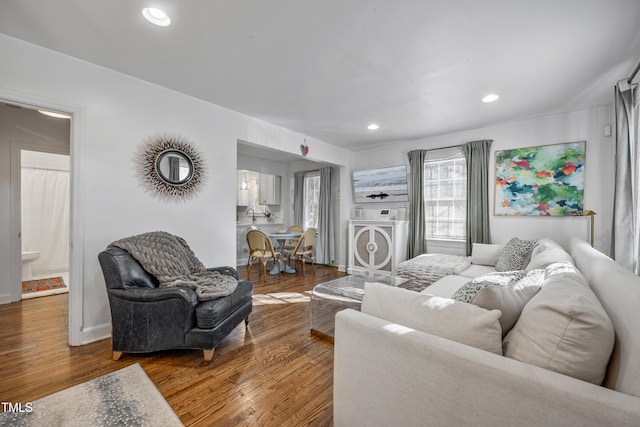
(445, 194)
(311, 199)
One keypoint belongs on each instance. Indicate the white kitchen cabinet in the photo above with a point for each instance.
(242, 195)
(269, 189)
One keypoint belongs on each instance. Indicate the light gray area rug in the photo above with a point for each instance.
(122, 398)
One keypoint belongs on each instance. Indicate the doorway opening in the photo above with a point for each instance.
(39, 226)
(15, 137)
(44, 203)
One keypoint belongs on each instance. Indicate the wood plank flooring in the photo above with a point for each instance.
(273, 374)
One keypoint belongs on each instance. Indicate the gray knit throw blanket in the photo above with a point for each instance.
(173, 263)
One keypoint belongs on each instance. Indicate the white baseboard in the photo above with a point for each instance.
(5, 298)
(342, 268)
(96, 333)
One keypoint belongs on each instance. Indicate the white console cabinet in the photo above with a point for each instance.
(376, 245)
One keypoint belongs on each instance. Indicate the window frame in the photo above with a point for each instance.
(453, 204)
(313, 222)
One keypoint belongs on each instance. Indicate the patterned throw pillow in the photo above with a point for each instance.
(515, 254)
(508, 292)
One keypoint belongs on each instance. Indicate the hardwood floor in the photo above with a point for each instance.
(273, 374)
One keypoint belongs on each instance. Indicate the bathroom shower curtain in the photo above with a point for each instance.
(45, 218)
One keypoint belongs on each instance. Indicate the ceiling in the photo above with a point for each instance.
(328, 68)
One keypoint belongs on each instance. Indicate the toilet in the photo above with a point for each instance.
(28, 257)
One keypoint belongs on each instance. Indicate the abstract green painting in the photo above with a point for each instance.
(547, 180)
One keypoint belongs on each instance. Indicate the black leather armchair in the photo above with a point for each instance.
(147, 318)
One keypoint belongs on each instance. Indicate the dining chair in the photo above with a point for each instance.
(291, 243)
(303, 250)
(261, 250)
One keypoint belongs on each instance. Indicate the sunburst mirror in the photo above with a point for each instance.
(170, 168)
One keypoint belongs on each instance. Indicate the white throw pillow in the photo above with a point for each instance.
(563, 328)
(458, 321)
(508, 292)
(547, 252)
(485, 254)
(515, 255)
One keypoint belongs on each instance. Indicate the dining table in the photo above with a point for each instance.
(282, 237)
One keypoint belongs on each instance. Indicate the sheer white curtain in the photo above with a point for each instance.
(45, 217)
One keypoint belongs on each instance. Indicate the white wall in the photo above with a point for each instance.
(116, 112)
(584, 125)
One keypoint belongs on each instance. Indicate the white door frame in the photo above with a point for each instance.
(76, 210)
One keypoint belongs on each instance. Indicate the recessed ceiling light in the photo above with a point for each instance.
(54, 114)
(156, 16)
(373, 126)
(490, 98)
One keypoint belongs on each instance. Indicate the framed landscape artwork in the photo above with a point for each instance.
(387, 184)
(547, 180)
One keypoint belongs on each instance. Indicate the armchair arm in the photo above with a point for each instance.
(388, 374)
(151, 319)
(183, 293)
(229, 271)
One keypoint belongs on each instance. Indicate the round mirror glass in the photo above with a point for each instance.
(174, 167)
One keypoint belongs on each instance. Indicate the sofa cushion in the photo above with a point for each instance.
(474, 271)
(465, 323)
(211, 313)
(514, 255)
(545, 253)
(485, 254)
(508, 292)
(446, 286)
(563, 328)
(618, 290)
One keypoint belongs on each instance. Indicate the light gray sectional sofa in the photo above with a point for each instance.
(571, 356)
